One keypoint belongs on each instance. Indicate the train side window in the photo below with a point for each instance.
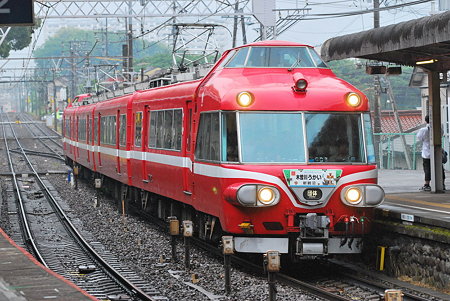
(160, 130)
(208, 137)
(123, 130)
(138, 129)
(67, 127)
(103, 129)
(168, 135)
(316, 58)
(165, 129)
(81, 129)
(177, 126)
(152, 129)
(95, 130)
(238, 60)
(229, 137)
(112, 130)
(108, 130)
(88, 129)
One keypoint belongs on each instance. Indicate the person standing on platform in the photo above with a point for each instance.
(424, 136)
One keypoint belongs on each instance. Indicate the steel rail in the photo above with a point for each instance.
(40, 138)
(26, 230)
(315, 290)
(129, 287)
(41, 154)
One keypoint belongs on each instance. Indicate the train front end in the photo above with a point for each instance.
(285, 148)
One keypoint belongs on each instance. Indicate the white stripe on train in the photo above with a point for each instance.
(213, 171)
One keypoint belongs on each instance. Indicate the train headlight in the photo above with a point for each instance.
(245, 99)
(353, 99)
(353, 195)
(266, 195)
(253, 195)
(362, 195)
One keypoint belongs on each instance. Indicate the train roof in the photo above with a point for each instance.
(275, 43)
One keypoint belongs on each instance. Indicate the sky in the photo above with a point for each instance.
(315, 30)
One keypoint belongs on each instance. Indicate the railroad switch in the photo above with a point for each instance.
(393, 295)
(86, 269)
(194, 278)
(120, 297)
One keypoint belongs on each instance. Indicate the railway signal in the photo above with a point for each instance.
(228, 250)
(174, 228)
(272, 265)
(188, 230)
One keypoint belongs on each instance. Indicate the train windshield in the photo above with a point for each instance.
(276, 57)
(333, 137)
(274, 137)
(285, 137)
(271, 137)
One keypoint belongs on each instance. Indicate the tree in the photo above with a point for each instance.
(406, 97)
(59, 45)
(18, 38)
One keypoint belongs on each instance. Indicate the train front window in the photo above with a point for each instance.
(335, 138)
(271, 137)
(276, 57)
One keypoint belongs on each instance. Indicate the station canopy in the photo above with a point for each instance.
(405, 43)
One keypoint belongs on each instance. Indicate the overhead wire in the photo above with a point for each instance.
(367, 11)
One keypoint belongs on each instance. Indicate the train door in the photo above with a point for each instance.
(77, 149)
(145, 131)
(187, 137)
(117, 142)
(98, 133)
(88, 137)
(69, 135)
(93, 140)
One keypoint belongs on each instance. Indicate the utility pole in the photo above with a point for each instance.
(73, 68)
(55, 118)
(377, 92)
(235, 23)
(130, 39)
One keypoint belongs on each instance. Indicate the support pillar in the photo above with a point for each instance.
(437, 181)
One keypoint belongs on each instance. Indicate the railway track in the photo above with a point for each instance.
(336, 285)
(54, 240)
(328, 280)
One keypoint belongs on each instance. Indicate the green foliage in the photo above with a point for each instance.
(406, 97)
(80, 42)
(18, 38)
(159, 60)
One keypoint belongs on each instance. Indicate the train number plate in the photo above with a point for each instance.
(312, 177)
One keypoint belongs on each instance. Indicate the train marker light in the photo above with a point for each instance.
(247, 227)
(353, 99)
(245, 99)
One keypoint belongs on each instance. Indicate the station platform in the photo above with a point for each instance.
(23, 278)
(406, 203)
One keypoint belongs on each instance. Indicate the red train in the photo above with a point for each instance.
(269, 147)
